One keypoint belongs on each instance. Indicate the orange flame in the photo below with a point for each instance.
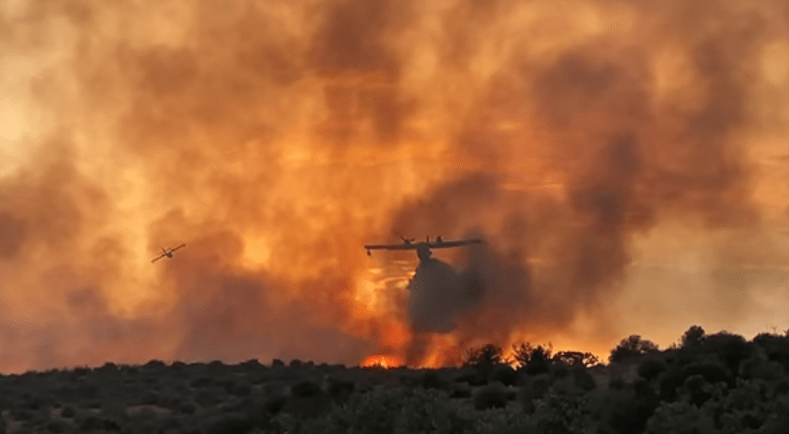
(382, 361)
(585, 139)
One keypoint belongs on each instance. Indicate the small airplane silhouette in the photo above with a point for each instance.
(422, 247)
(167, 252)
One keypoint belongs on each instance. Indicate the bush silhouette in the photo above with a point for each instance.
(504, 374)
(201, 382)
(155, 365)
(68, 411)
(431, 380)
(536, 388)
(693, 337)
(229, 424)
(150, 398)
(696, 388)
(539, 362)
(576, 358)
(674, 377)
(533, 360)
(730, 348)
(252, 364)
(484, 358)
(650, 367)
(57, 426)
(583, 379)
(626, 413)
(491, 396)
(460, 392)
(631, 348)
(305, 389)
(96, 423)
(238, 388)
(339, 391)
(206, 398)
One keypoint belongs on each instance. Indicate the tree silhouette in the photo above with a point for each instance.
(693, 337)
(576, 358)
(632, 347)
(533, 360)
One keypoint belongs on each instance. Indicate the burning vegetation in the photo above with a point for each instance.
(625, 162)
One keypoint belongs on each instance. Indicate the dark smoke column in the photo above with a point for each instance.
(432, 306)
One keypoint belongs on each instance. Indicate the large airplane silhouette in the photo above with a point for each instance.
(423, 247)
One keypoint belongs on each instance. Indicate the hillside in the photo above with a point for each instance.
(710, 383)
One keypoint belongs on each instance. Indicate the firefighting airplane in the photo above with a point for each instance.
(423, 247)
(167, 252)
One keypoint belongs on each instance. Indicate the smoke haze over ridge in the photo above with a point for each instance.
(626, 162)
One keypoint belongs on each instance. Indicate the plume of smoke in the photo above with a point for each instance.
(275, 139)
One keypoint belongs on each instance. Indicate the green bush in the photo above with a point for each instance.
(562, 414)
(382, 412)
(679, 418)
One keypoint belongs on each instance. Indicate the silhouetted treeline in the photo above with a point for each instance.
(719, 383)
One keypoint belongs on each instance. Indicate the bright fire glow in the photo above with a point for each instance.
(625, 162)
(382, 361)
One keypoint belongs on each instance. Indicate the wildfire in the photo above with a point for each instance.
(276, 140)
(382, 361)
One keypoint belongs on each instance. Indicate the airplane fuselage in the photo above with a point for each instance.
(422, 248)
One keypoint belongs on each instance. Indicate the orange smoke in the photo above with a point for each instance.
(622, 160)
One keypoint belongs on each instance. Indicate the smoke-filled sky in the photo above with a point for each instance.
(627, 162)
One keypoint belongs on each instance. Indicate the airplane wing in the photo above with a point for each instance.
(456, 243)
(390, 246)
(157, 258)
(176, 248)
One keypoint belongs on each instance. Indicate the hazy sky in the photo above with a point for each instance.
(626, 160)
